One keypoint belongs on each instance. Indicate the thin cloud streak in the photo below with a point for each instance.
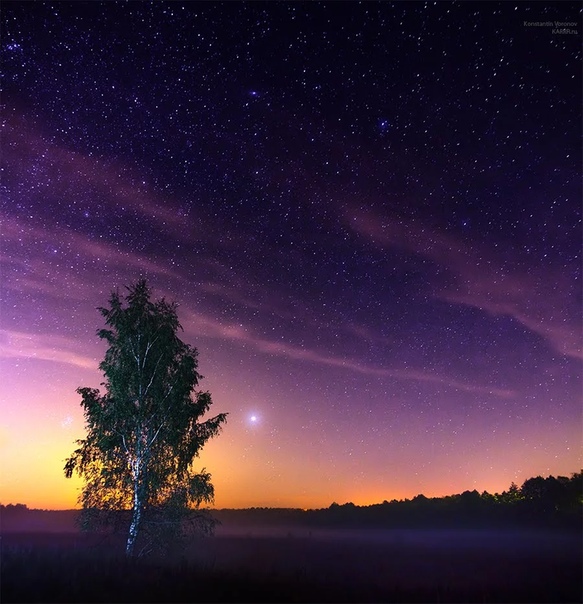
(39, 168)
(63, 248)
(205, 326)
(537, 299)
(58, 349)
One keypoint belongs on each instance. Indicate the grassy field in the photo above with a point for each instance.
(296, 564)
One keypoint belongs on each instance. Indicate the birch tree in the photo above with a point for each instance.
(143, 432)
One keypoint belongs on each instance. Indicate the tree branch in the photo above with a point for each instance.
(153, 375)
(155, 435)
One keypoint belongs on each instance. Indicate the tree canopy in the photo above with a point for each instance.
(144, 432)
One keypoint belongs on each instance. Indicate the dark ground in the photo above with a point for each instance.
(299, 564)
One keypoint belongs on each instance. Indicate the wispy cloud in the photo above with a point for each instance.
(58, 349)
(201, 325)
(64, 263)
(40, 169)
(540, 298)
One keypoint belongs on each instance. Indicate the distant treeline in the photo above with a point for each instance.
(539, 500)
(552, 501)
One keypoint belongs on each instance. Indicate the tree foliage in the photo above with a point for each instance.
(143, 432)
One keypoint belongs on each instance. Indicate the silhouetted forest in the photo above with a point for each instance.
(552, 501)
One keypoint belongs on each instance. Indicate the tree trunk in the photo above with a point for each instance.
(135, 525)
(138, 505)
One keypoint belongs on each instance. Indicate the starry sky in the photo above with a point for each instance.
(369, 214)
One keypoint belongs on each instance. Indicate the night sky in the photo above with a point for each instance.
(369, 214)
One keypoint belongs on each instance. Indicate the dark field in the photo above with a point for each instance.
(299, 564)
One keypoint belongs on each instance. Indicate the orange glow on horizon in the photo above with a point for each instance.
(40, 484)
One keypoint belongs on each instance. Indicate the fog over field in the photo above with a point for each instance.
(285, 555)
(363, 564)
